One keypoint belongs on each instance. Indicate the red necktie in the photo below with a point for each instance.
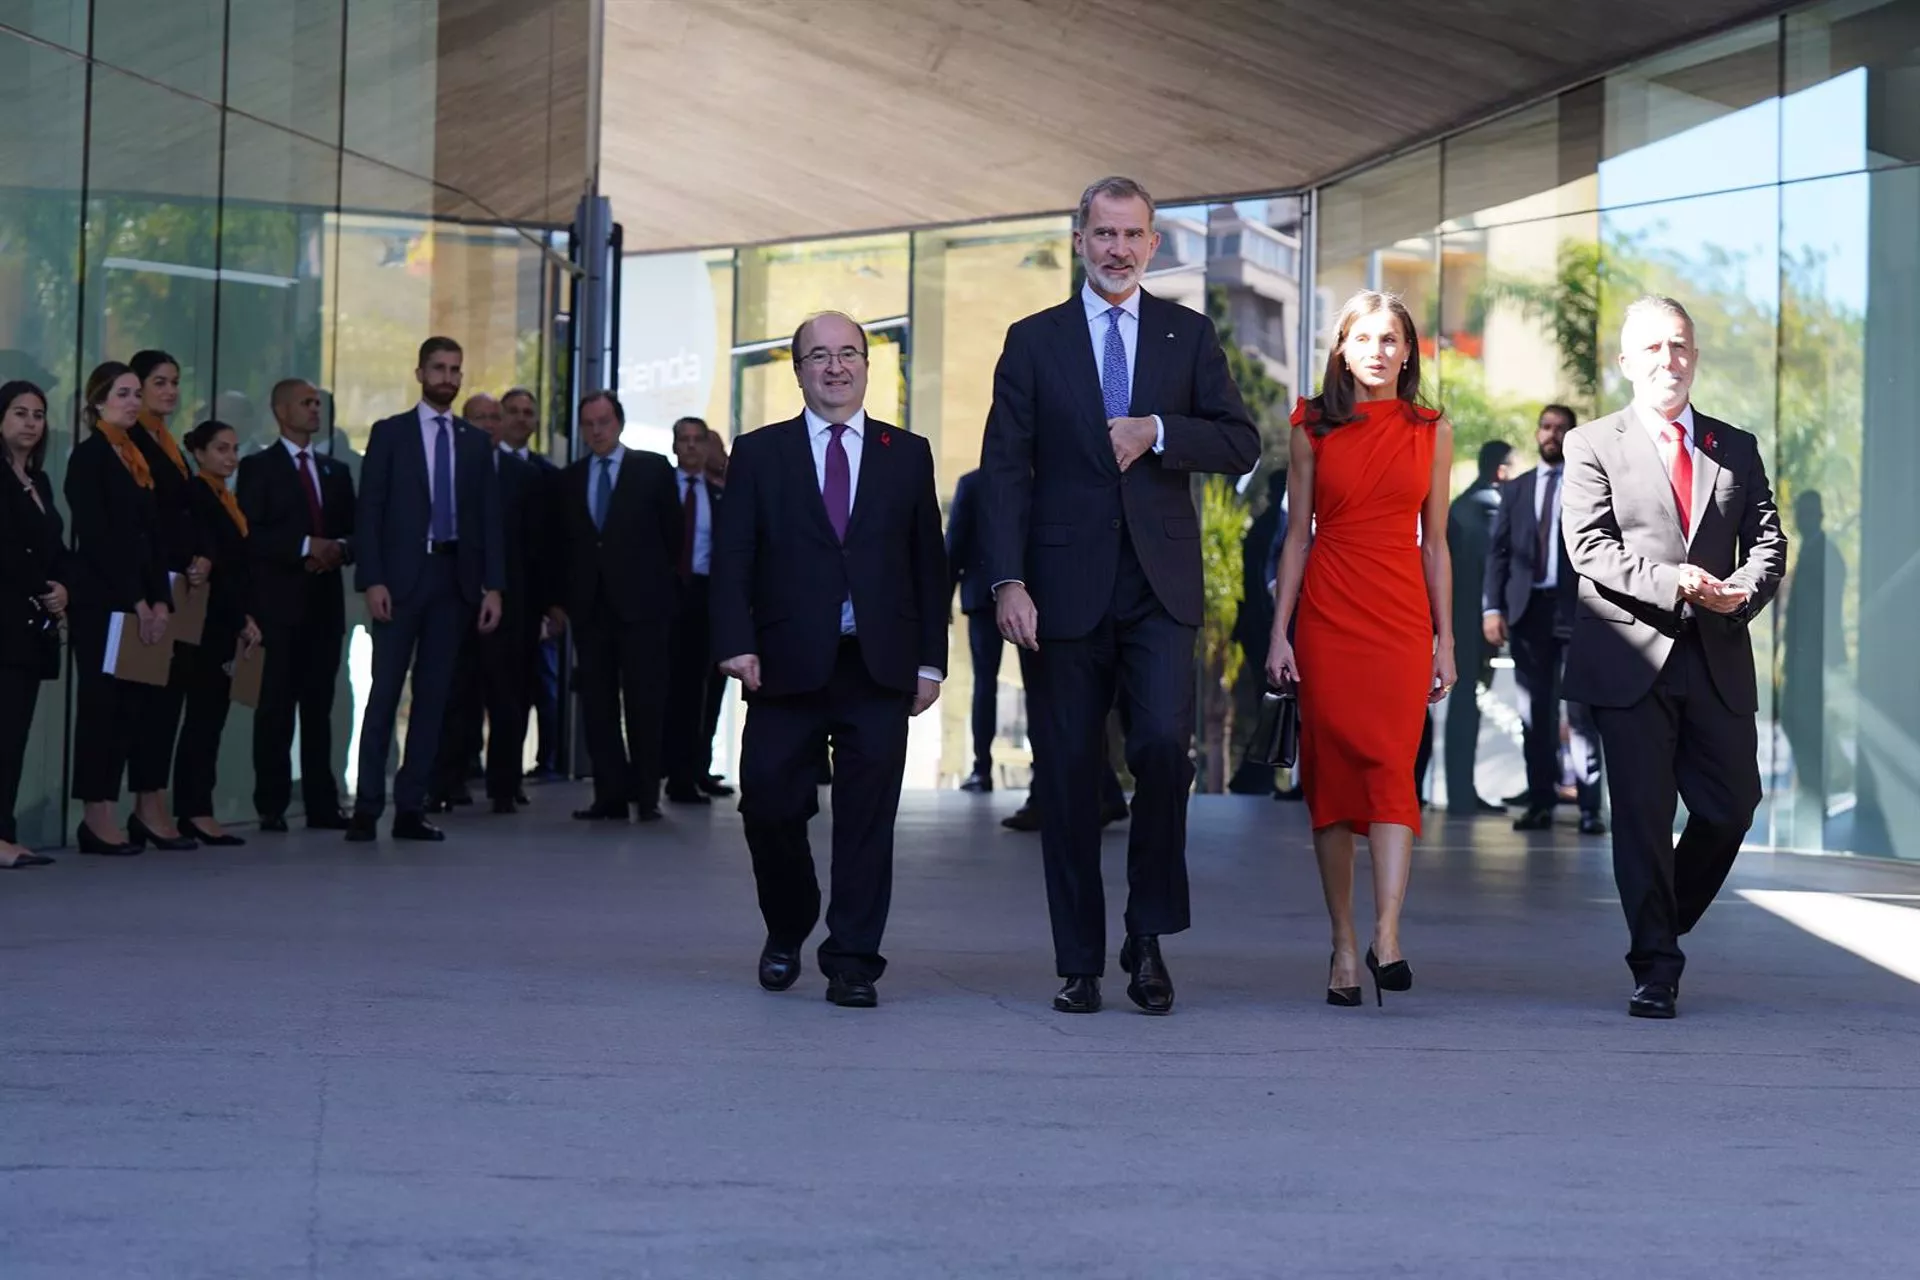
(690, 526)
(1673, 442)
(316, 523)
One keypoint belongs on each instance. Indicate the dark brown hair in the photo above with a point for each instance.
(434, 346)
(1333, 407)
(145, 362)
(99, 383)
(619, 410)
(203, 435)
(12, 391)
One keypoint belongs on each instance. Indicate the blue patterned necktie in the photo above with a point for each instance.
(603, 493)
(1114, 383)
(442, 517)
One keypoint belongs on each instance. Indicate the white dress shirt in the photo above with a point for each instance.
(429, 433)
(1097, 323)
(702, 519)
(853, 440)
(295, 451)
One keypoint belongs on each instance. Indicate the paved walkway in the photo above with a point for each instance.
(538, 1050)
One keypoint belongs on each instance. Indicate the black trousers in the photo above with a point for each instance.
(19, 691)
(623, 680)
(985, 642)
(423, 639)
(1140, 651)
(867, 727)
(1678, 741)
(1461, 745)
(687, 742)
(302, 666)
(1539, 658)
(196, 757)
(546, 700)
(492, 684)
(151, 763)
(114, 723)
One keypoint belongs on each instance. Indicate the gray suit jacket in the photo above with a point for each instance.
(1622, 530)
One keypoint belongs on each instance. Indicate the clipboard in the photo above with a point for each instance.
(244, 672)
(189, 620)
(128, 659)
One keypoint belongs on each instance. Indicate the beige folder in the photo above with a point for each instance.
(245, 669)
(128, 659)
(189, 610)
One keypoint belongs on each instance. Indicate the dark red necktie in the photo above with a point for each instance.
(1673, 441)
(837, 492)
(316, 522)
(690, 526)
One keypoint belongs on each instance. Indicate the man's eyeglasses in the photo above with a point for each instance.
(820, 357)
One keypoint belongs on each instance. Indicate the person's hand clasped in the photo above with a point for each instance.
(926, 696)
(1016, 616)
(1282, 669)
(1703, 590)
(746, 669)
(197, 570)
(250, 635)
(489, 612)
(153, 622)
(1130, 437)
(55, 600)
(380, 604)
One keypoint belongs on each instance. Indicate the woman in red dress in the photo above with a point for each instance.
(1371, 645)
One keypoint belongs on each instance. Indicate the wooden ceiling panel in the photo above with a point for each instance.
(738, 121)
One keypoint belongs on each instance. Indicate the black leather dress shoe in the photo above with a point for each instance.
(691, 795)
(1152, 985)
(978, 783)
(1654, 1000)
(779, 966)
(363, 828)
(1592, 824)
(225, 840)
(602, 813)
(277, 825)
(852, 991)
(712, 785)
(141, 834)
(324, 820)
(1081, 994)
(87, 842)
(1025, 818)
(1535, 819)
(505, 805)
(648, 813)
(414, 826)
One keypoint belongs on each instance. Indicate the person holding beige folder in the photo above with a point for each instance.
(228, 623)
(119, 574)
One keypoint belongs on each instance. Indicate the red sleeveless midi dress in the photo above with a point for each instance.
(1363, 629)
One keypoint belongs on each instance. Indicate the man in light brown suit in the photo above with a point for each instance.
(1670, 523)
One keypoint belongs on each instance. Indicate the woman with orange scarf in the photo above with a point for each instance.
(223, 531)
(118, 569)
(182, 554)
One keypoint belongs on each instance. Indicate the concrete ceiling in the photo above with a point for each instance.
(737, 121)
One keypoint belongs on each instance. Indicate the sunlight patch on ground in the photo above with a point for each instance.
(1884, 933)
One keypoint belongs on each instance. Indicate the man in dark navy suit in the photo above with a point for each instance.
(299, 506)
(966, 562)
(432, 563)
(830, 598)
(688, 750)
(1104, 407)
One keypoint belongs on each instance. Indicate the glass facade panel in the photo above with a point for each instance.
(250, 250)
(778, 286)
(1852, 89)
(1704, 117)
(1539, 162)
(1377, 231)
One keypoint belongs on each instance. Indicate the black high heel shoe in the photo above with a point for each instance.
(1342, 997)
(226, 840)
(87, 842)
(1397, 976)
(142, 835)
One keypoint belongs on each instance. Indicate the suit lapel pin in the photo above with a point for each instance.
(886, 438)
(1707, 444)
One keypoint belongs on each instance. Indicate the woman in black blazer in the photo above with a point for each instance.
(182, 554)
(33, 598)
(119, 569)
(223, 533)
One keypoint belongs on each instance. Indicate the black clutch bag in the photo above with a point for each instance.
(1276, 734)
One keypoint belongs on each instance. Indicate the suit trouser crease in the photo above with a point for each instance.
(685, 755)
(867, 727)
(1140, 652)
(423, 638)
(986, 645)
(203, 721)
(623, 676)
(1679, 742)
(301, 666)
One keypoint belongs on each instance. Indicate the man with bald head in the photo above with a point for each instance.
(491, 683)
(299, 505)
(829, 605)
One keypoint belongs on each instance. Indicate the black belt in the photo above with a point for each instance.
(450, 547)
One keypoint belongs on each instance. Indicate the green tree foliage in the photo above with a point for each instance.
(1268, 400)
(1224, 518)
